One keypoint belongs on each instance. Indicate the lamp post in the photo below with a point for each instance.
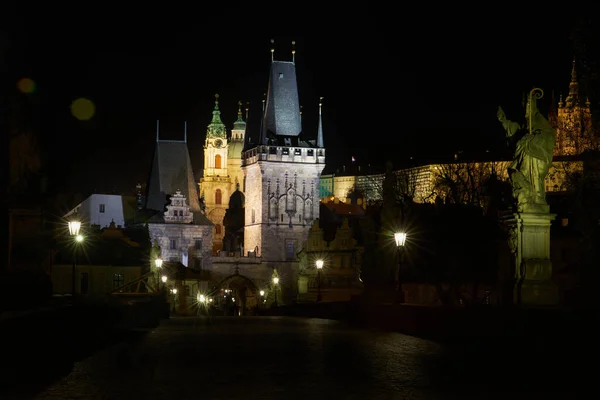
(158, 263)
(400, 238)
(275, 283)
(74, 227)
(319, 264)
(174, 299)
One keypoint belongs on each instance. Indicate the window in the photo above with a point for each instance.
(310, 153)
(281, 75)
(218, 229)
(118, 280)
(218, 196)
(297, 152)
(244, 185)
(173, 244)
(289, 249)
(102, 208)
(285, 151)
(281, 217)
(197, 263)
(218, 161)
(253, 215)
(198, 244)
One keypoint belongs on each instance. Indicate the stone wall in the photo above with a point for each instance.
(186, 235)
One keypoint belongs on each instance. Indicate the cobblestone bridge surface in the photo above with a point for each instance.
(292, 358)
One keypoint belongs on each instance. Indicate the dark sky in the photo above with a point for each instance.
(428, 88)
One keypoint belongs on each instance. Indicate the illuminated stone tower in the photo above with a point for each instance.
(215, 184)
(282, 174)
(574, 133)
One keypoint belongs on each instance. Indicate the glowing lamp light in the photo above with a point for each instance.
(74, 227)
(202, 299)
(83, 109)
(26, 85)
(174, 291)
(79, 238)
(400, 238)
(319, 264)
(276, 280)
(158, 262)
(164, 278)
(262, 292)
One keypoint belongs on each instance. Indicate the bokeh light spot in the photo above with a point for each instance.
(83, 109)
(26, 85)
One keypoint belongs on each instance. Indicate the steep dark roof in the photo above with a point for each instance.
(282, 114)
(171, 171)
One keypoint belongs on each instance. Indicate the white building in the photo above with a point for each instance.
(102, 209)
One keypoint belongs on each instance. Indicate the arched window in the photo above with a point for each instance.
(218, 229)
(218, 161)
(218, 196)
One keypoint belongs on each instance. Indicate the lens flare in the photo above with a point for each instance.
(83, 109)
(26, 85)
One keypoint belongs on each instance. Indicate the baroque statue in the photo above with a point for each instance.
(532, 155)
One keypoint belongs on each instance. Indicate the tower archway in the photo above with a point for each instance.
(236, 295)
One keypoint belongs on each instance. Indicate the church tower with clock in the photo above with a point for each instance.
(215, 185)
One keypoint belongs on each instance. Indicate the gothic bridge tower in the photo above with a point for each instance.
(282, 174)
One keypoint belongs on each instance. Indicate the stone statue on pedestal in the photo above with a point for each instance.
(533, 155)
(529, 227)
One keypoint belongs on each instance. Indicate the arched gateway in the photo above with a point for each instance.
(236, 295)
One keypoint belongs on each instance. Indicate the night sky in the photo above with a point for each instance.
(422, 91)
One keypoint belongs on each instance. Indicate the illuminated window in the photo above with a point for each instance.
(102, 208)
(218, 161)
(218, 229)
(218, 196)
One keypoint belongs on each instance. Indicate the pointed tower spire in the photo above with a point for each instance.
(157, 131)
(294, 51)
(216, 128)
(239, 125)
(263, 127)
(272, 50)
(320, 131)
(573, 97)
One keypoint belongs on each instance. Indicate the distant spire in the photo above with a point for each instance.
(185, 131)
(320, 131)
(294, 51)
(272, 49)
(157, 131)
(240, 111)
(573, 96)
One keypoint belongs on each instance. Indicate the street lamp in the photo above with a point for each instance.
(74, 227)
(158, 263)
(400, 238)
(164, 281)
(275, 283)
(319, 264)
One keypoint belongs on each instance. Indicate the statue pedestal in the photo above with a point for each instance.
(532, 266)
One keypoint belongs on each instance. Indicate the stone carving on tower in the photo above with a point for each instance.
(574, 122)
(215, 185)
(178, 211)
